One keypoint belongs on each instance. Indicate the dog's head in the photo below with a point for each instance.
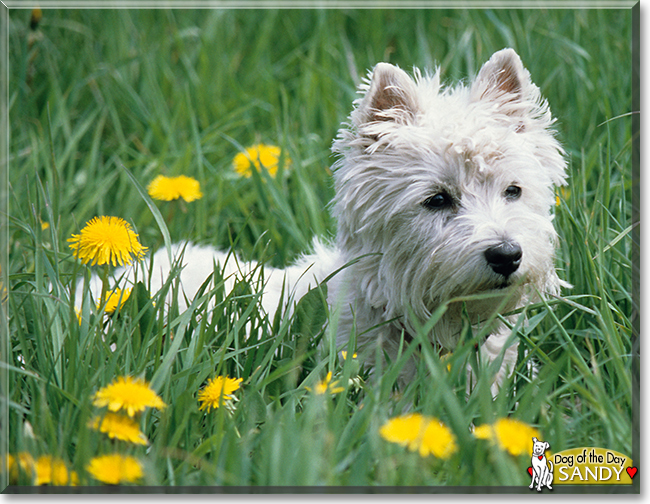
(539, 447)
(452, 187)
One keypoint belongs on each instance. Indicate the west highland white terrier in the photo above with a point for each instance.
(441, 193)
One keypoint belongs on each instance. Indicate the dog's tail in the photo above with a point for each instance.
(550, 469)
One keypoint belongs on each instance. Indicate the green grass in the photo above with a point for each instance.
(96, 96)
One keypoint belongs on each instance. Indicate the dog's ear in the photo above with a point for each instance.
(504, 80)
(534, 440)
(390, 96)
(547, 445)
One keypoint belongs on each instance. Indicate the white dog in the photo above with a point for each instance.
(542, 473)
(441, 192)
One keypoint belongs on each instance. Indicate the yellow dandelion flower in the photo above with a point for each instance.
(8, 463)
(10, 467)
(129, 394)
(37, 15)
(509, 434)
(52, 471)
(345, 355)
(115, 469)
(402, 429)
(217, 391)
(107, 240)
(23, 461)
(437, 440)
(119, 427)
(446, 358)
(325, 386)
(172, 188)
(26, 462)
(562, 193)
(117, 296)
(258, 156)
(426, 435)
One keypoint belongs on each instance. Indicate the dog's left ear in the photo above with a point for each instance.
(504, 80)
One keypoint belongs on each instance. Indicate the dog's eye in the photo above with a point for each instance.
(512, 192)
(438, 201)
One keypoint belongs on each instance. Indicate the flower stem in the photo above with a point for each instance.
(104, 278)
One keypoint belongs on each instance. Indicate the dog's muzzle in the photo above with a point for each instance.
(505, 258)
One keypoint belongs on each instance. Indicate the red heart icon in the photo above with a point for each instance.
(530, 471)
(540, 457)
(631, 471)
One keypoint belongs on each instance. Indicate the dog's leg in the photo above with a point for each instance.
(536, 475)
(549, 475)
(491, 350)
(542, 477)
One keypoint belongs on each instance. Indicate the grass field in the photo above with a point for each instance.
(100, 102)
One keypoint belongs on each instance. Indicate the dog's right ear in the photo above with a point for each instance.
(534, 440)
(390, 97)
(504, 81)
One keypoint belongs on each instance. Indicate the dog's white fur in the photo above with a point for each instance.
(542, 473)
(408, 140)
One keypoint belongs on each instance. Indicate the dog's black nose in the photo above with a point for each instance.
(504, 258)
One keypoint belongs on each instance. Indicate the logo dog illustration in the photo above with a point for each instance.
(541, 472)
